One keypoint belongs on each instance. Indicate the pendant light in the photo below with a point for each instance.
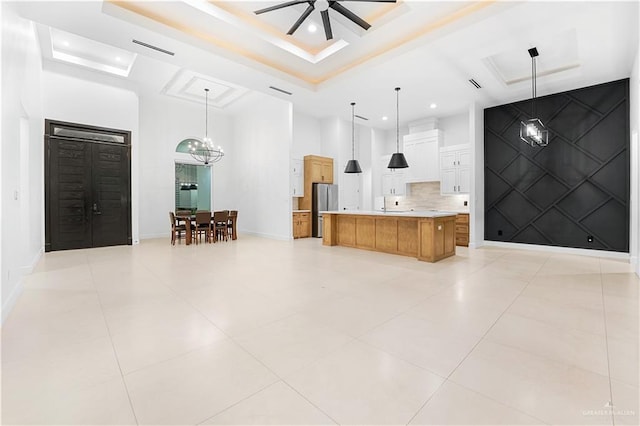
(397, 160)
(203, 150)
(532, 131)
(352, 165)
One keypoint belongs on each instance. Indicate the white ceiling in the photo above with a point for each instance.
(429, 48)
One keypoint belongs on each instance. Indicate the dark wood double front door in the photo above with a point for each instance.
(87, 186)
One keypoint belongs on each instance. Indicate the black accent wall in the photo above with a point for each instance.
(576, 187)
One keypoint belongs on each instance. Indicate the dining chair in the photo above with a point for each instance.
(220, 221)
(176, 230)
(232, 223)
(203, 225)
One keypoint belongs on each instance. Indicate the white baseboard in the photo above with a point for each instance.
(166, 235)
(475, 245)
(8, 306)
(269, 236)
(563, 250)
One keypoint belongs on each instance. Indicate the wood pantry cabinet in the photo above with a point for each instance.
(316, 170)
(301, 224)
(455, 169)
(462, 229)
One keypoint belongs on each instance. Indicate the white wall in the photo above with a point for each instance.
(306, 135)
(476, 197)
(74, 99)
(364, 147)
(262, 141)
(164, 122)
(634, 112)
(21, 155)
(455, 128)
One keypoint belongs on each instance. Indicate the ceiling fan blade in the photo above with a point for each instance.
(301, 19)
(327, 24)
(349, 14)
(375, 1)
(280, 6)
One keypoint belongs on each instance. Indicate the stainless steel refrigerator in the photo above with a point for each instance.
(324, 198)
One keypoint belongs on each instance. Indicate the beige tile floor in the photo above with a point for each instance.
(257, 331)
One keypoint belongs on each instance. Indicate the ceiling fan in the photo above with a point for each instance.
(323, 6)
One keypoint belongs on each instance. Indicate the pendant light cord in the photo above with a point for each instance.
(353, 130)
(397, 119)
(533, 87)
(206, 113)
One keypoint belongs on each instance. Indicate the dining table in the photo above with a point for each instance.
(189, 221)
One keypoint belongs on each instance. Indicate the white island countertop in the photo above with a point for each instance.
(426, 213)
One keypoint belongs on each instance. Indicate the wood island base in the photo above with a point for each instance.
(428, 238)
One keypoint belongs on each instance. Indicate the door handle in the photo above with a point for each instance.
(95, 209)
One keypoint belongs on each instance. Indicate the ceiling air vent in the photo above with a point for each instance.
(475, 84)
(277, 89)
(362, 118)
(150, 46)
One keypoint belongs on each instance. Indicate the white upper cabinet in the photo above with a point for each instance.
(455, 169)
(421, 151)
(297, 177)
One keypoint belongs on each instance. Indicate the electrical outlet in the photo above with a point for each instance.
(589, 238)
(466, 203)
(396, 203)
(499, 231)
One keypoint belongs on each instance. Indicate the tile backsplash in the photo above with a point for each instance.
(426, 196)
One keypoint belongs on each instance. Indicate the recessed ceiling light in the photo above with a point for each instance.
(312, 28)
(385, 118)
(118, 58)
(66, 43)
(432, 106)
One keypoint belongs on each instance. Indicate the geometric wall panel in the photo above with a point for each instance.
(575, 187)
(546, 191)
(583, 200)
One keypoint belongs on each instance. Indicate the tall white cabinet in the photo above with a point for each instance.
(297, 177)
(455, 169)
(421, 152)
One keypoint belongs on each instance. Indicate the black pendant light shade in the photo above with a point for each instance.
(352, 165)
(397, 160)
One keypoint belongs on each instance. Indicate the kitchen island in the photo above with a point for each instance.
(427, 235)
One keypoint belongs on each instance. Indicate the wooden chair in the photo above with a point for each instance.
(231, 225)
(182, 213)
(176, 230)
(203, 225)
(220, 223)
